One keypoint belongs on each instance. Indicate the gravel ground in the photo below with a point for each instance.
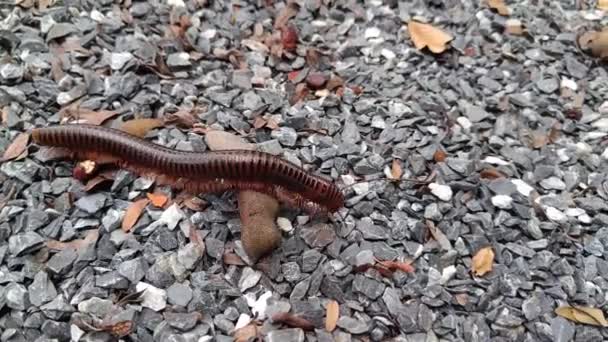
(511, 128)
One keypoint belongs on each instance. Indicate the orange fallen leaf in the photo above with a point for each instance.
(491, 173)
(332, 315)
(133, 213)
(425, 35)
(499, 6)
(397, 265)
(514, 27)
(396, 170)
(18, 148)
(120, 329)
(246, 333)
(141, 127)
(439, 155)
(602, 5)
(483, 261)
(157, 199)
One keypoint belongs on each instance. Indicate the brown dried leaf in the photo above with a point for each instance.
(462, 299)
(18, 148)
(332, 315)
(293, 321)
(93, 117)
(120, 329)
(313, 58)
(514, 27)
(157, 199)
(440, 155)
(596, 42)
(491, 173)
(499, 6)
(289, 38)
(259, 122)
(195, 203)
(581, 314)
(25, 3)
(233, 259)
(141, 127)
(397, 265)
(183, 118)
(133, 213)
(483, 261)
(93, 183)
(288, 12)
(396, 170)
(602, 5)
(300, 93)
(425, 35)
(334, 83)
(554, 132)
(246, 333)
(90, 237)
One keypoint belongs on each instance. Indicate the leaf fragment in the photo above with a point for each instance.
(440, 155)
(483, 261)
(396, 170)
(602, 5)
(18, 148)
(157, 199)
(425, 35)
(332, 315)
(246, 333)
(491, 173)
(293, 321)
(94, 117)
(500, 7)
(141, 127)
(133, 213)
(90, 237)
(582, 314)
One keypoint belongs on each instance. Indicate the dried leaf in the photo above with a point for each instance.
(90, 237)
(396, 170)
(313, 58)
(554, 132)
(425, 35)
(120, 329)
(397, 265)
(602, 5)
(462, 299)
(259, 122)
(300, 93)
(18, 148)
(288, 12)
(95, 182)
(334, 83)
(195, 203)
(483, 261)
(332, 315)
(514, 27)
(539, 139)
(499, 6)
(246, 333)
(157, 199)
(289, 38)
(183, 118)
(25, 3)
(133, 213)
(491, 173)
(596, 42)
(293, 321)
(233, 259)
(581, 314)
(440, 156)
(93, 117)
(141, 127)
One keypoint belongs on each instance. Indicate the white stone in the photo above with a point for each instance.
(388, 54)
(584, 219)
(76, 333)
(555, 214)
(494, 161)
(209, 34)
(502, 201)
(583, 148)
(243, 320)
(447, 274)
(605, 153)
(177, 3)
(601, 124)
(361, 188)
(568, 83)
(443, 192)
(119, 59)
(464, 122)
(372, 32)
(97, 16)
(553, 183)
(153, 297)
(259, 307)
(522, 187)
(284, 224)
(574, 212)
(603, 109)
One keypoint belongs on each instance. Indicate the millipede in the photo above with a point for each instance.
(201, 172)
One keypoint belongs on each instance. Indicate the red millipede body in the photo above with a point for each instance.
(213, 171)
